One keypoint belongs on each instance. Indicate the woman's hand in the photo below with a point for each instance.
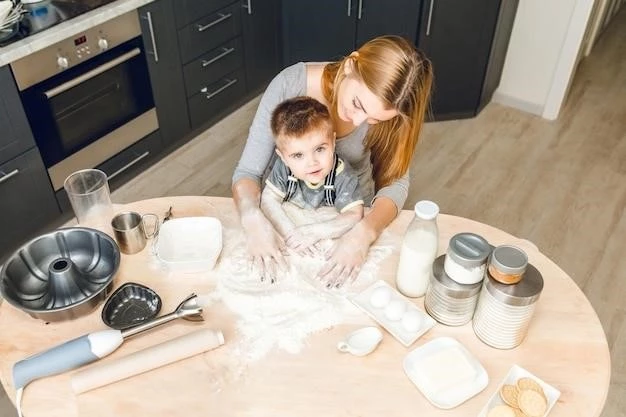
(265, 246)
(347, 256)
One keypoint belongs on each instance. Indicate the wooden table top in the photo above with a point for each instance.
(565, 346)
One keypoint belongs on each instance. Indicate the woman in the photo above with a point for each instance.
(377, 97)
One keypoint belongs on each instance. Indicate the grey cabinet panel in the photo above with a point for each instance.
(16, 136)
(27, 202)
(159, 35)
(209, 32)
(397, 17)
(213, 65)
(260, 22)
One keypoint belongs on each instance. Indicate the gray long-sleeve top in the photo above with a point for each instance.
(259, 154)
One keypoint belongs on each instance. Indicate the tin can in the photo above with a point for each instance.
(504, 311)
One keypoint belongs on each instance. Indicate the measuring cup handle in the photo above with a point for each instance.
(156, 225)
(343, 347)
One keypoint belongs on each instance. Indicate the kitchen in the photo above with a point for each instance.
(493, 214)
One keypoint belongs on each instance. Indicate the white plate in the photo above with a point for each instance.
(516, 372)
(423, 322)
(445, 372)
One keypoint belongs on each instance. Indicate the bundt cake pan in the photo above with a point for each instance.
(62, 274)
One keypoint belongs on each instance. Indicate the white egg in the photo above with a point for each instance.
(411, 321)
(380, 297)
(395, 310)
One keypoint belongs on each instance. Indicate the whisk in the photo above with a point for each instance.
(14, 16)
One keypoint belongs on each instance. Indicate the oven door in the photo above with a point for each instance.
(85, 115)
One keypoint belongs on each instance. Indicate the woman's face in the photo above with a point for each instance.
(357, 104)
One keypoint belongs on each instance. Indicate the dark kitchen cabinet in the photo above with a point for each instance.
(261, 37)
(160, 38)
(16, 136)
(328, 30)
(467, 43)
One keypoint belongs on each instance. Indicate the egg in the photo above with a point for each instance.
(380, 297)
(411, 321)
(395, 309)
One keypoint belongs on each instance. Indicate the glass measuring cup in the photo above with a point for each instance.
(89, 195)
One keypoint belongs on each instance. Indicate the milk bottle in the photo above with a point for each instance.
(419, 250)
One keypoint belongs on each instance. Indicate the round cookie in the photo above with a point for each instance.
(510, 394)
(529, 383)
(501, 411)
(532, 403)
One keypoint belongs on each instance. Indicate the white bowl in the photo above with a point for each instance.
(190, 244)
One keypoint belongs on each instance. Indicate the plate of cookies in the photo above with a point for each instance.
(521, 394)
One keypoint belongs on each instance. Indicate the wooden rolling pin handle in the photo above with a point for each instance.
(146, 360)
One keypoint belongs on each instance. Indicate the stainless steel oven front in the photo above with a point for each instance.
(88, 97)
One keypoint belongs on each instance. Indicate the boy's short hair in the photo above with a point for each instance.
(297, 116)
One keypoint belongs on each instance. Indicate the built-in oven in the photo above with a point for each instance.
(88, 98)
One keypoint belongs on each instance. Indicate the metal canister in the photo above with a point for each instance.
(446, 300)
(504, 311)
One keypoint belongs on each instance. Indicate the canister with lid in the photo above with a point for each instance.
(446, 300)
(507, 264)
(504, 311)
(466, 258)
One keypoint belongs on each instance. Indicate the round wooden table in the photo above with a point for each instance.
(565, 346)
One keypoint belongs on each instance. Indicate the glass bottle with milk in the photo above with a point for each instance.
(419, 250)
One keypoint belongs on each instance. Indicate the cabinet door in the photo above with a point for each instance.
(391, 17)
(166, 73)
(16, 136)
(27, 201)
(456, 35)
(322, 30)
(261, 39)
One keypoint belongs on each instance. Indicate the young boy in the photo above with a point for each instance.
(309, 174)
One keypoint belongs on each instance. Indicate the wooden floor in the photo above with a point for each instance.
(560, 184)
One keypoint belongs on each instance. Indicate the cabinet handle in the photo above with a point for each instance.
(6, 177)
(248, 6)
(360, 9)
(215, 22)
(154, 52)
(349, 7)
(219, 90)
(430, 17)
(128, 165)
(225, 51)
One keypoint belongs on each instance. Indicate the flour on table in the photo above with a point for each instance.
(282, 315)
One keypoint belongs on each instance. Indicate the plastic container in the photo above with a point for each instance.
(419, 250)
(466, 258)
(507, 264)
(504, 311)
(447, 301)
(190, 244)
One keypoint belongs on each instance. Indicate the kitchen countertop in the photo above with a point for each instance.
(565, 346)
(24, 47)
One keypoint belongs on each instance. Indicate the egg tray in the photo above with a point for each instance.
(401, 328)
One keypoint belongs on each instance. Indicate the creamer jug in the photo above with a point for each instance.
(419, 250)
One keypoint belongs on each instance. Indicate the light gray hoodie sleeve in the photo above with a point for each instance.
(259, 149)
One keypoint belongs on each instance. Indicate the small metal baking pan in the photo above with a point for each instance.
(130, 305)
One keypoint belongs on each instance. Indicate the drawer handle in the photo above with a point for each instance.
(128, 165)
(225, 51)
(215, 22)
(219, 90)
(11, 174)
(154, 52)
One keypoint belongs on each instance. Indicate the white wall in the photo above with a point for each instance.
(542, 52)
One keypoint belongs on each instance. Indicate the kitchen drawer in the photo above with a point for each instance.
(209, 32)
(213, 65)
(189, 10)
(124, 165)
(27, 202)
(219, 96)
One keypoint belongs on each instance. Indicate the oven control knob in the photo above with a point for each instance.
(63, 62)
(103, 44)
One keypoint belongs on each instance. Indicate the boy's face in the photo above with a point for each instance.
(310, 156)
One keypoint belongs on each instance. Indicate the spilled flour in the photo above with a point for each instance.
(282, 315)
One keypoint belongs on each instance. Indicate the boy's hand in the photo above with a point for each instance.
(302, 239)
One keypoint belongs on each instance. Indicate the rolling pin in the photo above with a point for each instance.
(147, 359)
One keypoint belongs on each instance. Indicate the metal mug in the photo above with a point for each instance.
(130, 230)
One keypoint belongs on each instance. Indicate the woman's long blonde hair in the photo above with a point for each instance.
(401, 76)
